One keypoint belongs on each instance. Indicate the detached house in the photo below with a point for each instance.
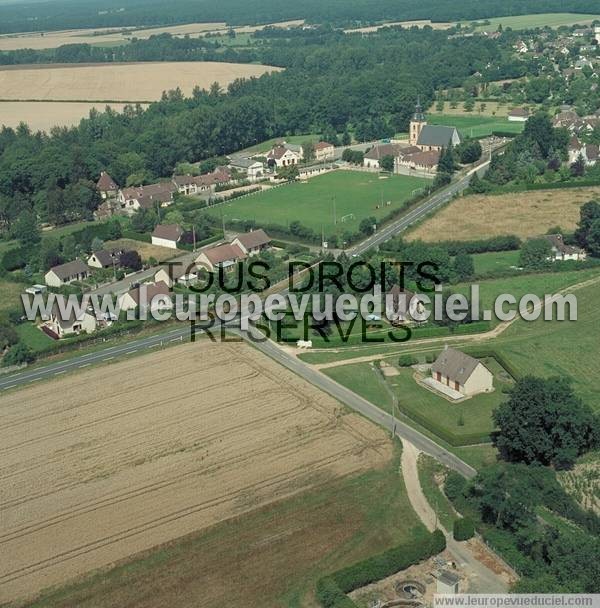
(148, 297)
(253, 169)
(222, 256)
(104, 259)
(518, 115)
(401, 305)
(460, 373)
(146, 197)
(106, 186)
(283, 156)
(561, 251)
(176, 274)
(64, 274)
(324, 151)
(167, 235)
(252, 243)
(74, 323)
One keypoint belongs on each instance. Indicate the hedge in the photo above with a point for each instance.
(331, 590)
(463, 528)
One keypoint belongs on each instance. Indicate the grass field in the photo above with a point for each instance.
(525, 214)
(314, 202)
(119, 82)
(521, 22)
(277, 552)
(496, 260)
(474, 124)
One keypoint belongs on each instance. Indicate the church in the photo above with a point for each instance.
(430, 138)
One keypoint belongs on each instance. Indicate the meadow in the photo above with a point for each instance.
(522, 22)
(476, 125)
(334, 202)
(524, 214)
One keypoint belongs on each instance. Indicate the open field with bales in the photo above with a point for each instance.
(522, 22)
(335, 202)
(131, 457)
(118, 36)
(43, 115)
(118, 81)
(525, 214)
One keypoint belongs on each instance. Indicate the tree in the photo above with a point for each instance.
(578, 167)
(469, 151)
(535, 254)
(469, 104)
(26, 230)
(446, 163)
(588, 213)
(97, 244)
(593, 238)
(464, 267)
(290, 172)
(346, 138)
(387, 163)
(366, 225)
(18, 354)
(308, 149)
(463, 528)
(544, 422)
(49, 253)
(131, 259)
(8, 335)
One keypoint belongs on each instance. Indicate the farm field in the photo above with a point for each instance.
(475, 125)
(43, 115)
(521, 22)
(131, 457)
(119, 81)
(418, 23)
(353, 193)
(115, 36)
(524, 214)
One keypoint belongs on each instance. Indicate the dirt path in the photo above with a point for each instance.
(488, 335)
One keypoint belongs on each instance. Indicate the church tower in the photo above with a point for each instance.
(416, 124)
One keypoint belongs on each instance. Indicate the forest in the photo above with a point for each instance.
(332, 82)
(67, 14)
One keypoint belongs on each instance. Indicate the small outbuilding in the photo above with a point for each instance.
(461, 373)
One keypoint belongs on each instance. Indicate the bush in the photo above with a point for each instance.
(17, 355)
(455, 486)
(463, 529)
(407, 361)
(15, 259)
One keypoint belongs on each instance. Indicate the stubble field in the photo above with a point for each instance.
(525, 214)
(107, 463)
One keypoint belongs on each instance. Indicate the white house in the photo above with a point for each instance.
(167, 235)
(460, 373)
(561, 251)
(324, 151)
(253, 169)
(373, 157)
(74, 323)
(223, 256)
(104, 259)
(148, 296)
(252, 243)
(282, 156)
(66, 273)
(178, 273)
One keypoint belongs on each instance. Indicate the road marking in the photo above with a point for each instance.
(5, 388)
(64, 371)
(34, 380)
(130, 352)
(108, 359)
(84, 365)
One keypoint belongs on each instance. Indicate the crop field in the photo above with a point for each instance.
(476, 125)
(521, 22)
(347, 196)
(43, 115)
(437, 25)
(117, 36)
(525, 214)
(106, 463)
(119, 82)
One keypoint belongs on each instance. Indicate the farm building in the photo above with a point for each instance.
(253, 242)
(167, 235)
(66, 273)
(460, 373)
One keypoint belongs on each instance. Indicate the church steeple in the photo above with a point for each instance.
(416, 124)
(418, 115)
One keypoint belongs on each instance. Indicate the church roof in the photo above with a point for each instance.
(436, 135)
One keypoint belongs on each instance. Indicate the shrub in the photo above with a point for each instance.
(407, 361)
(17, 355)
(463, 528)
(455, 486)
(15, 259)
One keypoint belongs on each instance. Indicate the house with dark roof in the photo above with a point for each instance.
(146, 197)
(106, 186)
(167, 235)
(402, 306)
(67, 320)
(283, 156)
(104, 259)
(64, 274)
(253, 242)
(147, 297)
(436, 137)
(375, 155)
(457, 374)
(181, 274)
(561, 251)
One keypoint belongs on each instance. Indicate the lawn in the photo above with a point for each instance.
(276, 552)
(33, 337)
(11, 292)
(474, 124)
(522, 22)
(333, 203)
(496, 260)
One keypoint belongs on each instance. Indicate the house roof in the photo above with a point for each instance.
(429, 158)
(378, 151)
(455, 365)
(254, 238)
(105, 257)
(184, 180)
(521, 112)
(244, 163)
(557, 242)
(178, 270)
(152, 290)
(106, 183)
(66, 315)
(169, 232)
(70, 269)
(401, 299)
(591, 151)
(279, 151)
(162, 192)
(436, 135)
(224, 253)
(322, 145)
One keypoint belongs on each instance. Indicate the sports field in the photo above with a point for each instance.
(521, 22)
(335, 202)
(476, 125)
(132, 456)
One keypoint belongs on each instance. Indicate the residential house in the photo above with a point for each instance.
(561, 251)
(167, 235)
(148, 297)
(414, 159)
(106, 186)
(402, 305)
(180, 274)
(222, 256)
(146, 197)
(253, 242)
(64, 274)
(521, 47)
(282, 156)
(461, 373)
(324, 151)
(518, 115)
(589, 152)
(372, 159)
(253, 169)
(104, 259)
(186, 184)
(66, 320)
